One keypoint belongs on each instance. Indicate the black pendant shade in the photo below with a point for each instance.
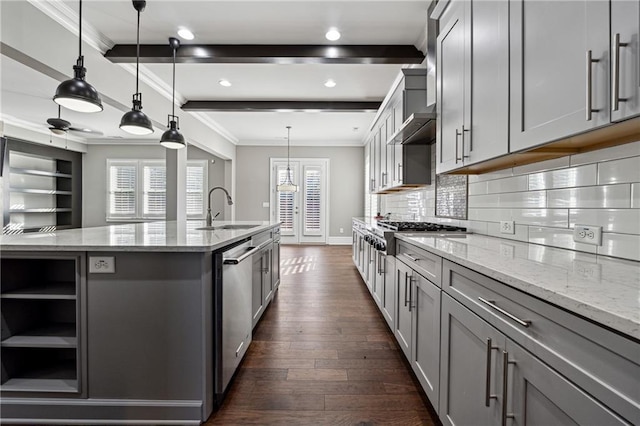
(135, 121)
(76, 94)
(172, 137)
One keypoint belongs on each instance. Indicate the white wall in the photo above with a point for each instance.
(94, 182)
(346, 182)
(547, 199)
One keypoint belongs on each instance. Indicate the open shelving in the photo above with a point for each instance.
(39, 348)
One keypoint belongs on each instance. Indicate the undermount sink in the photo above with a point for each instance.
(228, 226)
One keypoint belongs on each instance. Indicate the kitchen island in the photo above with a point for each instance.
(122, 323)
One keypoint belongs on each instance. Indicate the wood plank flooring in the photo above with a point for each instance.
(322, 354)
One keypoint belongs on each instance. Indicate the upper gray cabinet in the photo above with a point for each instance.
(625, 59)
(473, 83)
(559, 69)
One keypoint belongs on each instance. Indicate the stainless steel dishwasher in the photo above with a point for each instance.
(232, 312)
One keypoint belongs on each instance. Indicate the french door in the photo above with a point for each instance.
(303, 214)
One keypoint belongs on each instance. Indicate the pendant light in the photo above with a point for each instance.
(76, 94)
(287, 185)
(135, 121)
(172, 137)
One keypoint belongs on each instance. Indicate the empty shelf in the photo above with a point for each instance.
(52, 336)
(52, 291)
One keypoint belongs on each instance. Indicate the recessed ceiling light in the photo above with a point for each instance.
(330, 83)
(333, 34)
(185, 34)
(224, 82)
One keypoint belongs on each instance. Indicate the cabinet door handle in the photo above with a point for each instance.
(589, 106)
(399, 173)
(383, 179)
(492, 305)
(505, 383)
(470, 147)
(372, 185)
(457, 136)
(383, 268)
(239, 348)
(487, 394)
(410, 291)
(406, 279)
(615, 60)
(412, 258)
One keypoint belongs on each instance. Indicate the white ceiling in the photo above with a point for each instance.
(26, 93)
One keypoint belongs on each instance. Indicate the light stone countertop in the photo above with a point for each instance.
(164, 236)
(603, 289)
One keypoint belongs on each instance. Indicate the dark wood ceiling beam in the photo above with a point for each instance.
(268, 54)
(282, 106)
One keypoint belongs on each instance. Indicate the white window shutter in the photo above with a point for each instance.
(285, 203)
(154, 191)
(122, 189)
(312, 200)
(196, 188)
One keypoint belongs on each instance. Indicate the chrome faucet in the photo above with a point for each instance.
(229, 201)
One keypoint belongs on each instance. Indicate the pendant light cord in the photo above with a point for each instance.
(138, 53)
(80, 31)
(173, 94)
(288, 147)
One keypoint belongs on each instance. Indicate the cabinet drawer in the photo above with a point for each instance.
(429, 265)
(600, 361)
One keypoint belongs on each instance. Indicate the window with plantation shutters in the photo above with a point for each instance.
(154, 190)
(312, 200)
(196, 189)
(122, 181)
(137, 189)
(285, 203)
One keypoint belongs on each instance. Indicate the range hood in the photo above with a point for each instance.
(419, 127)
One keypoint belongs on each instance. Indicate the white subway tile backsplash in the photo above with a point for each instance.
(635, 195)
(613, 153)
(540, 217)
(609, 196)
(564, 178)
(557, 237)
(478, 188)
(490, 176)
(523, 199)
(626, 221)
(483, 201)
(619, 171)
(511, 184)
(556, 163)
(477, 227)
(521, 232)
(620, 245)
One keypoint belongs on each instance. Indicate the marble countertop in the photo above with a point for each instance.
(603, 289)
(164, 236)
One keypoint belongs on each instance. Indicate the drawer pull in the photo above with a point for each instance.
(492, 305)
(415, 259)
(239, 348)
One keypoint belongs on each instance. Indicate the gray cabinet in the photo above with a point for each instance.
(559, 54)
(387, 288)
(470, 368)
(425, 348)
(625, 59)
(275, 262)
(402, 329)
(261, 282)
(539, 396)
(473, 83)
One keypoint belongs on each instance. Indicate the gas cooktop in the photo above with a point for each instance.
(418, 226)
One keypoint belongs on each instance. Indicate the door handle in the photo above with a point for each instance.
(589, 106)
(487, 394)
(505, 383)
(615, 60)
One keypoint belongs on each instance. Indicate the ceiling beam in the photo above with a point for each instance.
(268, 54)
(282, 106)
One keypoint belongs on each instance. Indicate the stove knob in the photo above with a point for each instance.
(383, 246)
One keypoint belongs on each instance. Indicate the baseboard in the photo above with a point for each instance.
(339, 241)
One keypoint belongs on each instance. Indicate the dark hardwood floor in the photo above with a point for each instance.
(322, 354)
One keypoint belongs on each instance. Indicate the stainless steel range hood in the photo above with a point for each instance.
(419, 127)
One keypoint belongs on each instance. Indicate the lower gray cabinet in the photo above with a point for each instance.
(470, 368)
(402, 329)
(257, 293)
(425, 350)
(538, 396)
(388, 289)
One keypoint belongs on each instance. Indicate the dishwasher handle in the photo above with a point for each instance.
(251, 251)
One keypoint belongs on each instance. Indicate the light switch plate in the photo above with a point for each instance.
(507, 227)
(588, 234)
(265, 204)
(102, 265)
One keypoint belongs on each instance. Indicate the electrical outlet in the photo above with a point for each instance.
(265, 204)
(102, 264)
(342, 230)
(588, 234)
(507, 227)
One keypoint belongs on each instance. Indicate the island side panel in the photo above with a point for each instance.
(145, 327)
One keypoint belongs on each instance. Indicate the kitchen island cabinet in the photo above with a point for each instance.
(143, 321)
